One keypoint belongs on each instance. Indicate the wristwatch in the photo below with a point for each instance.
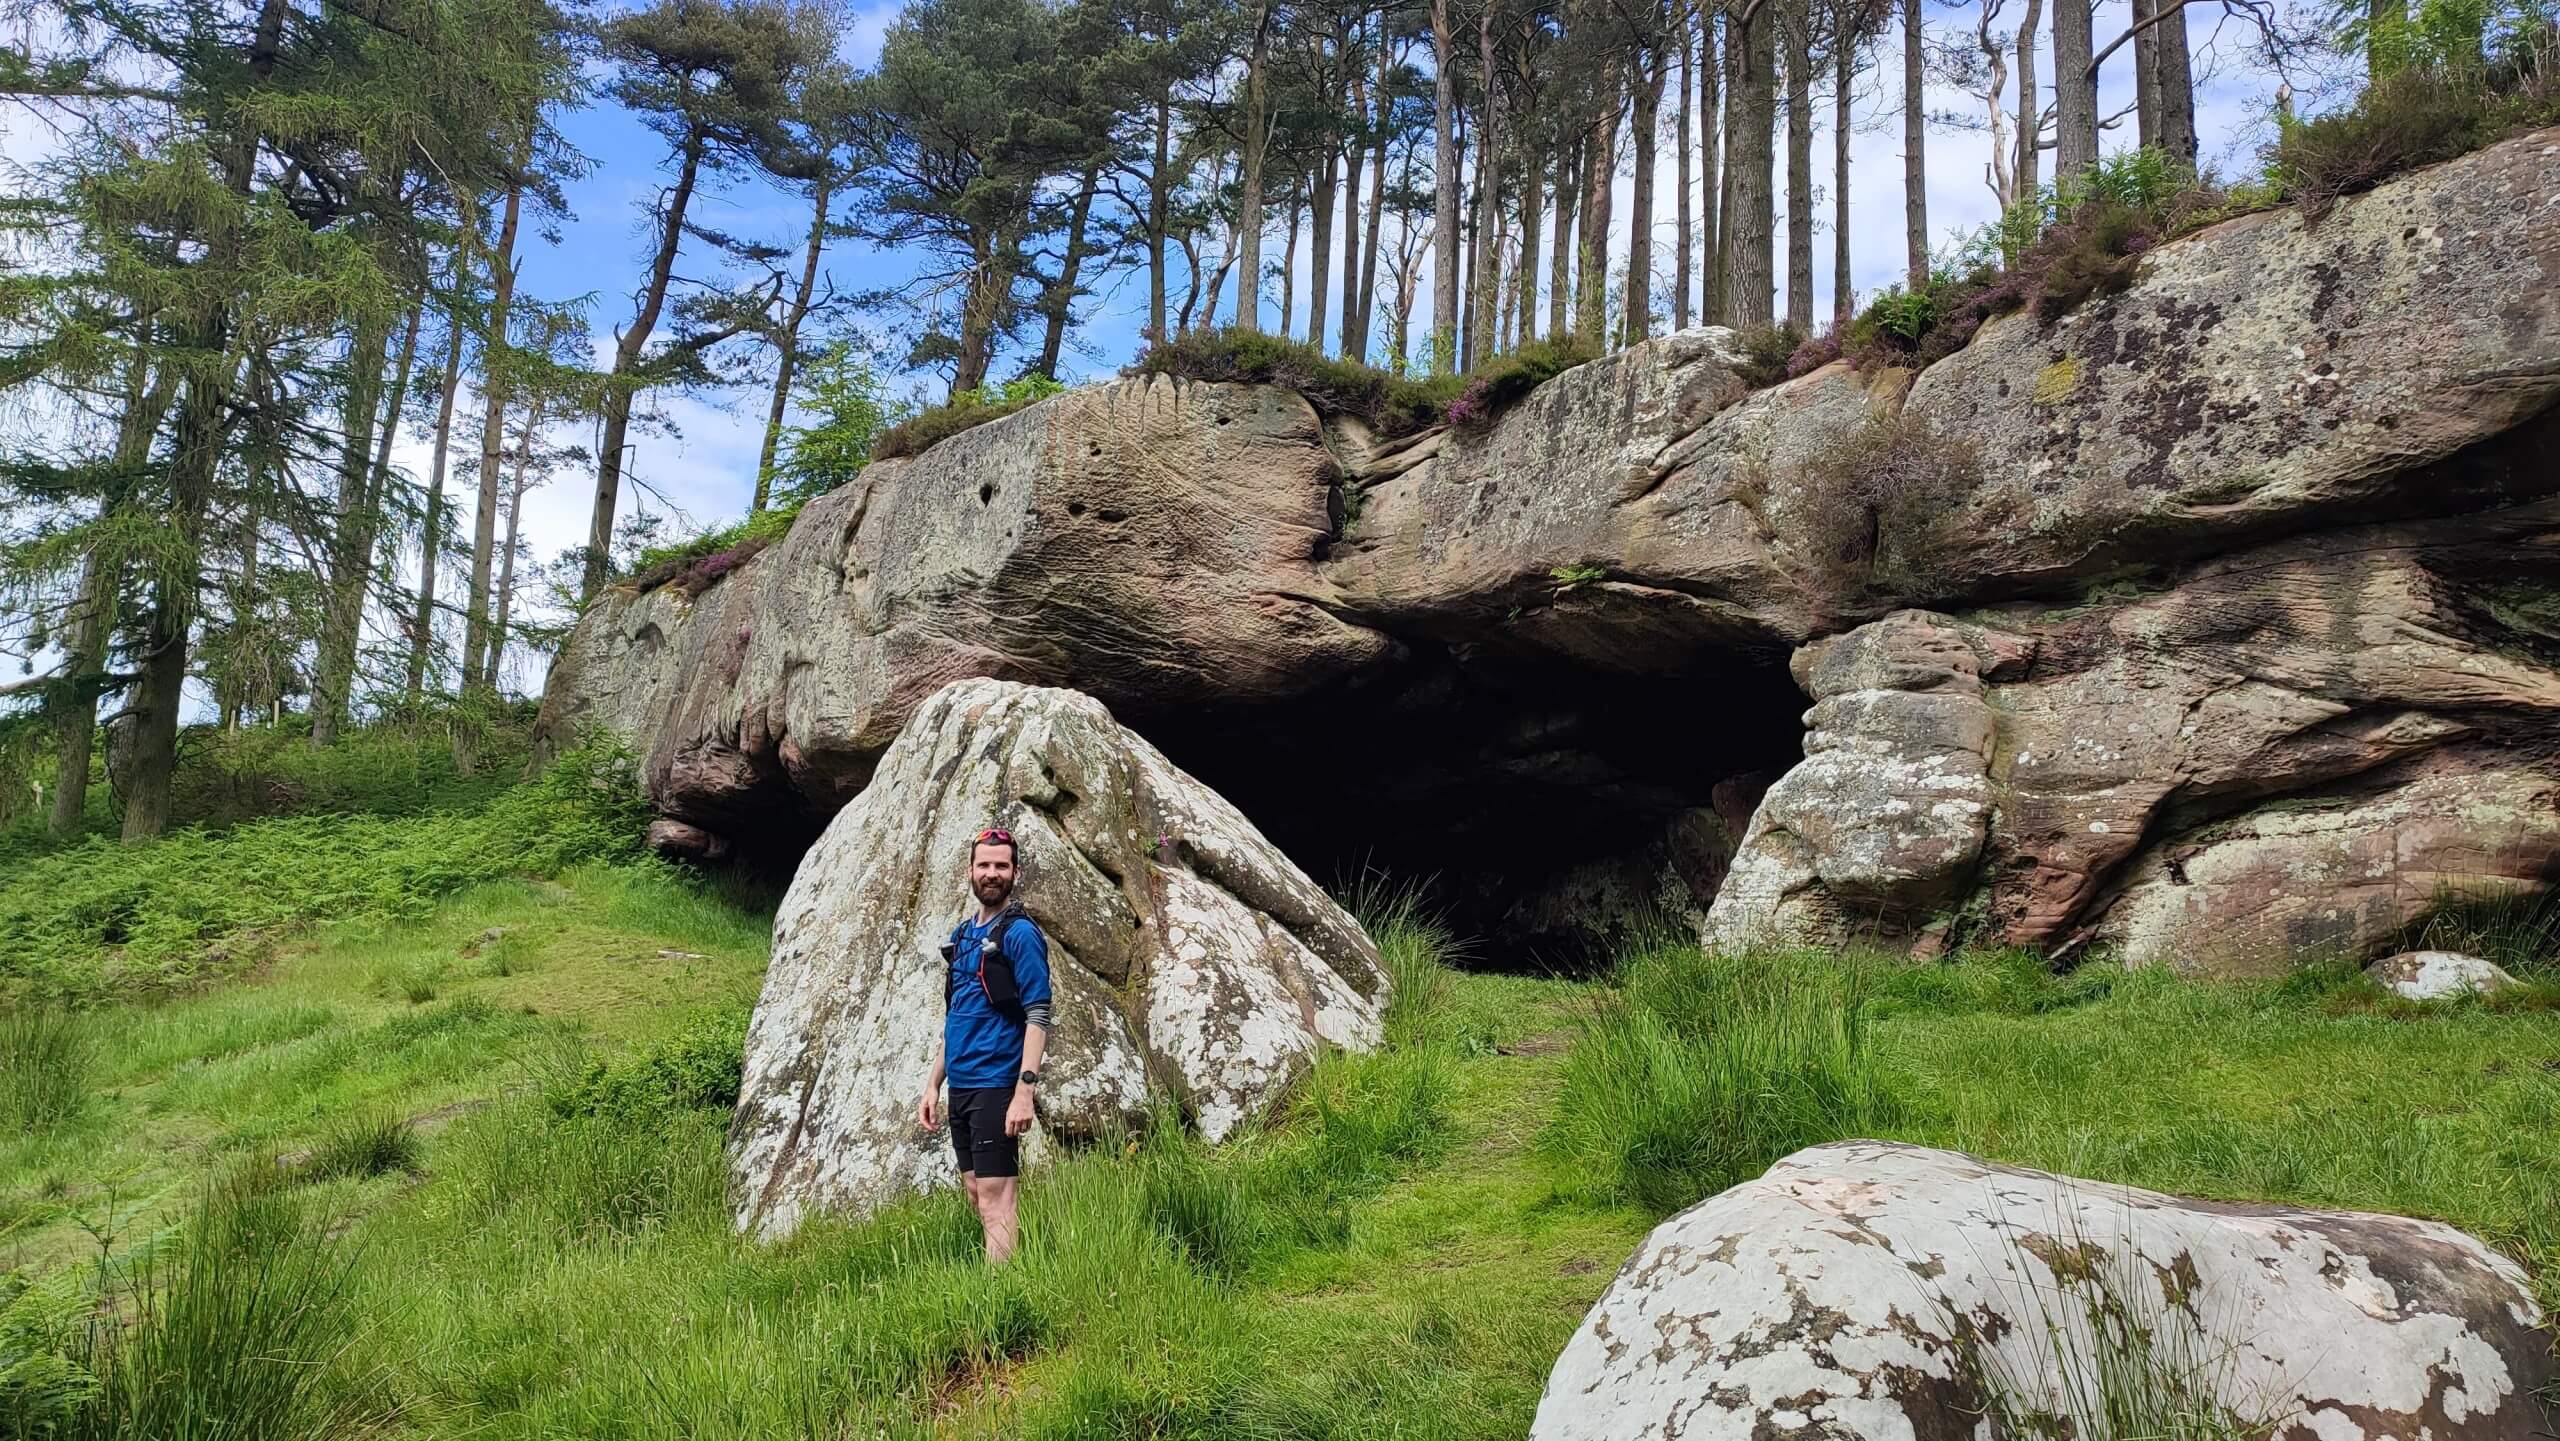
(1031, 1078)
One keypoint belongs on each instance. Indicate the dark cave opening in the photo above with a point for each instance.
(1552, 809)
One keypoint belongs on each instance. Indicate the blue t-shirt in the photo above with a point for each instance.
(980, 1048)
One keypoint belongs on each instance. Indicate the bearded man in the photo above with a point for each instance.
(995, 1026)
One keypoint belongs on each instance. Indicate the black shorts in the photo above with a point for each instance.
(978, 1140)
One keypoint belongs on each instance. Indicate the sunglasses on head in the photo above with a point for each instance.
(993, 833)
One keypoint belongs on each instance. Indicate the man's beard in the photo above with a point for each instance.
(992, 891)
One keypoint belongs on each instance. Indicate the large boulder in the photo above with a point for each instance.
(1867, 1291)
(1189, 957)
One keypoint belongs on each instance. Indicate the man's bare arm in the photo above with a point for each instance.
(1035, 1044)
(927, 1109)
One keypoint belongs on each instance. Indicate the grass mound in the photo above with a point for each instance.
(967, 410)
(1391, 404)
(694, 566)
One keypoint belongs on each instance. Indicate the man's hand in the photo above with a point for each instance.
(925, 1109)
(1017, 1117)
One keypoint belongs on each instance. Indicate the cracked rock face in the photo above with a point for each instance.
(2302, 747)
(1864, 1291)
(1188, 956)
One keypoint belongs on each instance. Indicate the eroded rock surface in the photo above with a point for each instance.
(1187, 954)
(1864, 1291)
(2226, 607)
(2302, 747)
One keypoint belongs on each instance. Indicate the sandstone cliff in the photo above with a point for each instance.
(2217, 619)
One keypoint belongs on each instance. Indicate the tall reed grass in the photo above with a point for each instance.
(1697, 1070)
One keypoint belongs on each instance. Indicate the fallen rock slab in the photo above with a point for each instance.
(1870, 1291)
(1187, 955)
(2439, 975)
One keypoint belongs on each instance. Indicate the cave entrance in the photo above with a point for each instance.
(1555, 809)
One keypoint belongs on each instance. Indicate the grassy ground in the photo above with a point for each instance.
(1401, 1256)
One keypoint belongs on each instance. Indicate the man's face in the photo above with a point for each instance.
(991, 873)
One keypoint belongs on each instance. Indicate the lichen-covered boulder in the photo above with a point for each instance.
(2439, 975)
(1867, 1291)
(1188, 956)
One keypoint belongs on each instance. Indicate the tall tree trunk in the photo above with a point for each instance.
(619, 394)
(1799, 26)
(2030, 162)
(1319, 264)
(1160, 180)
(194, 464)
(1637, 323)
(1485, 262)
(1289, 264)
(2175, 72)
(1467, 254)
(422, 631)
(1751, 115)
(507, 554)
(1560, 265)
(1915, 154)
(2075, 92)
(350, 547)
(1384, 100)
(1710, 178)
(1355, 97)
(2146, 73)
(496, 361)
(158, 690)
(75, 710)
(1059, 305)
(1844, 76)
(1257, 144)
(1532, 218)
(1445, 181)
(787, 359)
(1682, 282)
(999, 259)
(1591, 301)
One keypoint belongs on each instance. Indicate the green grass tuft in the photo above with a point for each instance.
(1702, 1069)
(46, 1057)
(362, 1146)
(965, 411)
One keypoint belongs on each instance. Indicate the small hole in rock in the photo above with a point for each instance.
(1075, 507)
(1114, 517)
(986, 494)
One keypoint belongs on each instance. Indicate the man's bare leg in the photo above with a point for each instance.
(997, 1198)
